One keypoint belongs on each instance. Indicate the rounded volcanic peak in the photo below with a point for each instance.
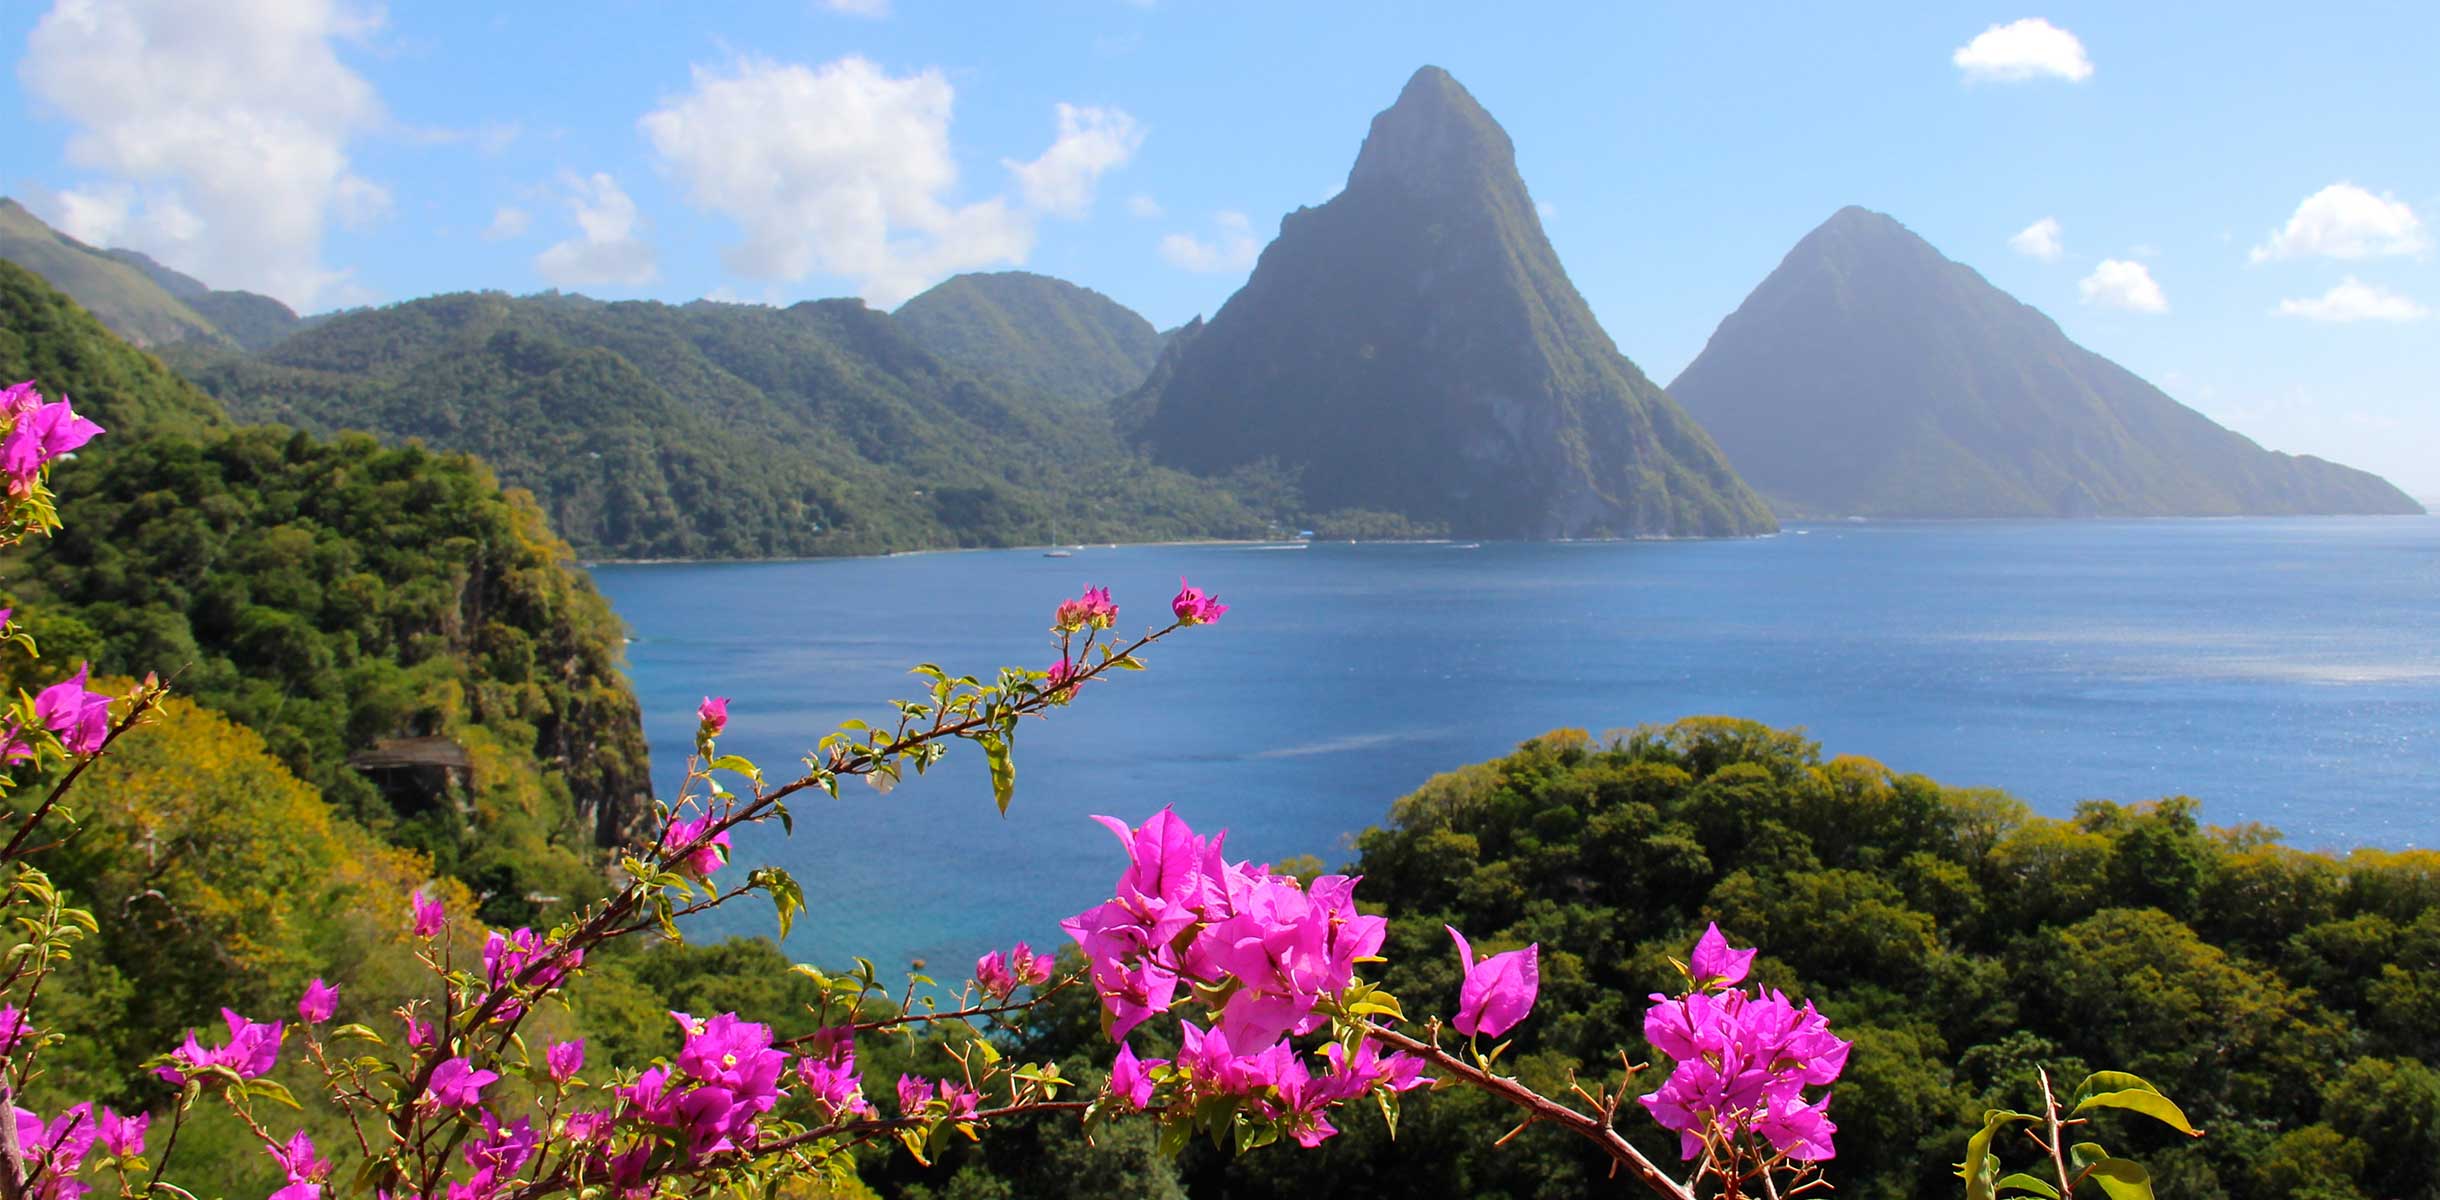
(1436, 136)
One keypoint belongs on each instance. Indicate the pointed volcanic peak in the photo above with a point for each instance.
(1413, 347)
(1036, 334)
(1869, 375)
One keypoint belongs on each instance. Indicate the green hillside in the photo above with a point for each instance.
(122, 295)
(1035, 333)
(721, 430)
(46, 337)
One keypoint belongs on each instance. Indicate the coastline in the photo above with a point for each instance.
(1786, 525)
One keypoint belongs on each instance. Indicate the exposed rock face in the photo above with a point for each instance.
(1414, 347)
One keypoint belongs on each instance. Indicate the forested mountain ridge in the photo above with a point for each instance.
(331, 596)
(139, 299)
(1034, 332)
(47, 337)
(1868, 375)
(1413, 346)
(720, 430)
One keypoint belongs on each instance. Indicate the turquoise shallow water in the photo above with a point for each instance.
(2280, 671)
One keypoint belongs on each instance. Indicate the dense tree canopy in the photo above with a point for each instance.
(2286, 999)
(333, 594)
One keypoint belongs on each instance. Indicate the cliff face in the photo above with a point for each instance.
(1869, 375)
(1413, 346)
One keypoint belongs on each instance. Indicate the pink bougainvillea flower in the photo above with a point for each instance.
(829, 1073)
(80, 717)
(1193, 607)
(914, 1093)
(39, 435)
(1498, 991)
(319, 1002)
(1093, 610)
(706, 856)
(456, 1083)
(298, 1161)
(565, 1059)
(121, 1135)
(1131, 1078)
(713, 715)
(1743, 1061)
(251, 1051)
(1714, 964)
(428, 913)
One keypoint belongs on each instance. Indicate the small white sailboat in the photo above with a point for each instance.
(1054, 549)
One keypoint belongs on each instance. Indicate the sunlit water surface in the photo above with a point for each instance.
(2286, 672)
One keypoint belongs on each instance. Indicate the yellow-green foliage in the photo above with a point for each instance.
(220, 880)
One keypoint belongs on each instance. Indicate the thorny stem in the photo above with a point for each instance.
(1541, 1108)
(607, 917)
(144, 700)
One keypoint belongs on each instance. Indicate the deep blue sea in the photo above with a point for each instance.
(2282, 671)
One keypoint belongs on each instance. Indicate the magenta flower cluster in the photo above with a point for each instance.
(1193, 607)
(726, 1075)
(505, 957)
(828, 1073)
(1093, 610)
(76, 714)
(1000, 975)
(252, 1050)
(692, 852)
(1742, 1060)
(1187, 923)
(39, 433)
(55, 1150)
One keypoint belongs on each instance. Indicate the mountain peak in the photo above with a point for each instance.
(1435, 136)
(1871, 375)
(1412, 352)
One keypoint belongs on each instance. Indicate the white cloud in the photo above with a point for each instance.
(510, 221)
(2354, 300)
(1091, 141)
(1143, 207)
(2022, 50)
(2345, 221)
(847, 170)
(608, 247)
(220, 131)
(1232, 248)
(859, 8)
(2123, 283)
(2038, 240)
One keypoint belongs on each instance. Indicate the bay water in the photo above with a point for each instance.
(2280, 671)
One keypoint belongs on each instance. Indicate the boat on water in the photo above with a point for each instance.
(1054, 549)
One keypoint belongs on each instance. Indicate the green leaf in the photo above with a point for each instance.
(2113, 1081)
(2028, 1184)
(357, 1031)
(272, 1090)
(1003, 770)
(2121, 1179)
(1976, 1169)
(2151, 1104)
(2084, 1154)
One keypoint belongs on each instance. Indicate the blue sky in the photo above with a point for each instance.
(2245, 197)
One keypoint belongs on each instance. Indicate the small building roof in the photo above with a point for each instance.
(394, 753)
